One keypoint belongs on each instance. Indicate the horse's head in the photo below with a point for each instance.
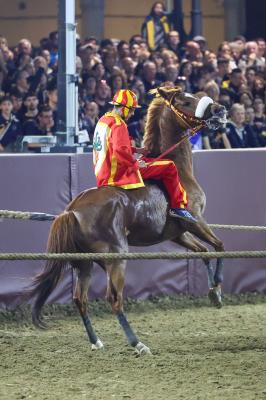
(193, 109)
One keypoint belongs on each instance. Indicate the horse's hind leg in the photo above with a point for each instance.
(115, 286)
(80, 297)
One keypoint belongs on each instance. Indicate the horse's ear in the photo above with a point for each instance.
(178, 89)
(154, 91)
(166, 92)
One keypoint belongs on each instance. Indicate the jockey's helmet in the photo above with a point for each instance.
(125, 98)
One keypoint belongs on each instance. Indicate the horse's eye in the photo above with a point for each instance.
(186, 104)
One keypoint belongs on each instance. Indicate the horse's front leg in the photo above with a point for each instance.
(188, 241)
(215, 276)
(115, 286)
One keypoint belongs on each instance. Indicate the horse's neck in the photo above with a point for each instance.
(171, 133)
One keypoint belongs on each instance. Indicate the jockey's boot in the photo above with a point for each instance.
(182, 213)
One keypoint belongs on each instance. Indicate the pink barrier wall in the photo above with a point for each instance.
(235, 187)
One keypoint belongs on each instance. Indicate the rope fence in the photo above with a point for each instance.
(30, 215)
(131, 256)
(126, 256)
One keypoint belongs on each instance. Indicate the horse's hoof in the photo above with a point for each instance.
(215, 296)
(97, 345)
(141, 349)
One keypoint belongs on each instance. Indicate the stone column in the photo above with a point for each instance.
(92, 18)
(234, 11)
(196, 18)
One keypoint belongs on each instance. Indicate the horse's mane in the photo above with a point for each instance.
(152, 139)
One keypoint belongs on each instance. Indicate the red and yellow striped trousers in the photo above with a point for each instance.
(166, 172)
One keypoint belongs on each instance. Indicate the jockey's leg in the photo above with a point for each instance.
(166, 171)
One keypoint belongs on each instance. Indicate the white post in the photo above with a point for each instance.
(67, 72)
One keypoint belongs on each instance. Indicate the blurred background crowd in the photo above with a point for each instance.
(233, 75)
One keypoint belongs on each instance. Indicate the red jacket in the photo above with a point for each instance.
(113, 159)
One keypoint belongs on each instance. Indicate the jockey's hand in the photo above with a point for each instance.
(141, 150)
(142, 164)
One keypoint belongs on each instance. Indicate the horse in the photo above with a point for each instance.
(109, 219)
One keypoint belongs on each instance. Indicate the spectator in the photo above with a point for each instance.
(223, 71)
(139, 89)
(89, 86)
(17, 102)
(149, 76)
(259, 87)
(135, 54)
(260, 120)
(202, 42)
(156, 26)
(110, 63)
(98, 71)
(21, 82)
(136, 129)
(210, 59)
(117, 81)
(134, 65)
(250, 115)
(123, 49)
(261, 53)
(31, 103)
(215, 139)
(88, 56)
(225, 99)
(192, 51)
(239, 133)
(129, 68)
(52, 96)
(185, 71)
(253, 56)
(234, 84)
(171, 73)
(173, 43)
(24, 47)
(43, 125)
(10, 127)
(102, 97)
(46, 55)
(169, 58)
(53, 47)
(90, 118)
(246, 99)
(212, 90)
(250, 75)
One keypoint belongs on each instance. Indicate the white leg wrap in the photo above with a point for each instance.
(97, 345)
(141, 349)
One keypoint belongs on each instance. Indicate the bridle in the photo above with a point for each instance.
(187, 120)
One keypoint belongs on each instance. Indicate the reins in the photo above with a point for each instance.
(187, 121)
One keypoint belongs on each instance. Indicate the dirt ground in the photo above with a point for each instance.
(198, 353)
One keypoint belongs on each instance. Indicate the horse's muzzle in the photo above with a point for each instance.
(218, 117)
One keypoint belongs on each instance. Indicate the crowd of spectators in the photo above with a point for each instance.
(233, 75)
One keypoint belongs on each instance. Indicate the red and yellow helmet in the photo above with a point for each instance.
(125, 98)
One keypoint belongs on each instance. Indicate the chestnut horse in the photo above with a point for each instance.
(109, 219)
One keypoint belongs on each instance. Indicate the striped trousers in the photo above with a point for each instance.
(166, 172)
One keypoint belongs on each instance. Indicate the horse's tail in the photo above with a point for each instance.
(60, 240)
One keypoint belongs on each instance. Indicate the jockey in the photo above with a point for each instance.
(115, 164)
